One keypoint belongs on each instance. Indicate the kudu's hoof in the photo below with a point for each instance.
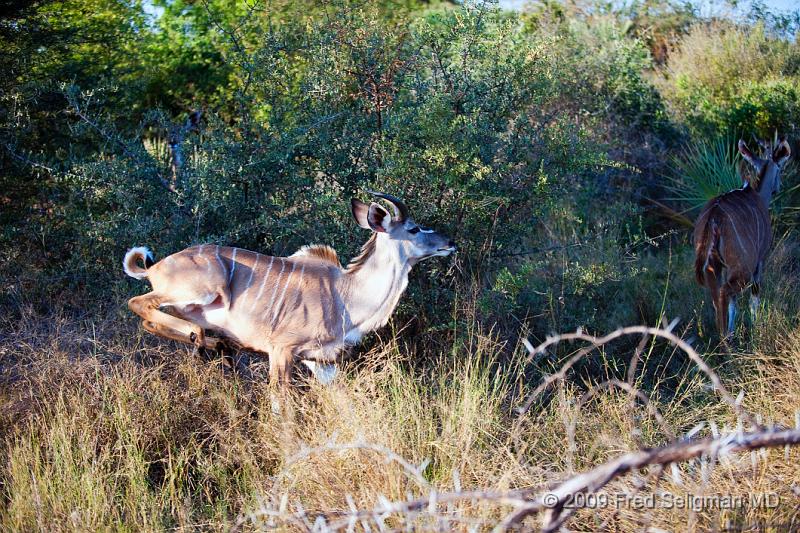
(198, 349)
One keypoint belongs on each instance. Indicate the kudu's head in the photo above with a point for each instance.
(768, 167)
(415, 242)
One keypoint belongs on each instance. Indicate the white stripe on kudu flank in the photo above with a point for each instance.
(252, 271)
(275, 291)
(263, 282)
(748, 228)
(219, 260)
(741, 245)
(300, 280)
(233, 265)
(283, 293)
(250, 279)
(758, 226)
(755, 236)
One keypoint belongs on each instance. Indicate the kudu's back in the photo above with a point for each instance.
(734, 232)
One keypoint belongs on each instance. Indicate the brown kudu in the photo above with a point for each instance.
(304, 307)
(733, 234)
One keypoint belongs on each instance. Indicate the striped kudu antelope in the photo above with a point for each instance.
(733, 234)
(305, 306)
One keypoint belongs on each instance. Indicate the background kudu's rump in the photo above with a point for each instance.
(733, 234)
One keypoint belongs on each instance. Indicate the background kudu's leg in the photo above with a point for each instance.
(728, 293)
(755, 289)
(720, 306)
(721, 313)
(731, 314)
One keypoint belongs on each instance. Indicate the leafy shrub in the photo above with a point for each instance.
(739, 80)
(476, 120)
(607, 276)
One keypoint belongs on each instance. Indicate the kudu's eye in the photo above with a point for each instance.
(414, 230)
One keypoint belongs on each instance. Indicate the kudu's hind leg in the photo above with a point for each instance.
(166, 325)
(721, 312)
(211, 343)
(717, 299)
(731, 315)
(728, 294)
(755, 289)
(167, 333)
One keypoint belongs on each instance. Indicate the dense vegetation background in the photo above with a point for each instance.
(565, 148)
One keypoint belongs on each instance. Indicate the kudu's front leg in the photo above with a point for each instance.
(281, 361)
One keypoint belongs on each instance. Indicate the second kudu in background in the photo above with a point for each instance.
(733, 234)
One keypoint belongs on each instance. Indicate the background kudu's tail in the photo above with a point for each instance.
(706, 257)
(708, 264)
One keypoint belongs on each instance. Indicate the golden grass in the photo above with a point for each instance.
(103, 428)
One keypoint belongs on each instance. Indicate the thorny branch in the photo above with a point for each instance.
(597, 342)
(551, 504)
(119, 142)
(597, 478)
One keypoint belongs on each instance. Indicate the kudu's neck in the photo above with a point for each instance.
(766, 184)
(373, 283)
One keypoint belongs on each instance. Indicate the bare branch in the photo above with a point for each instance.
(597, 342)
(595, 479)
(27, 161)
(117, 141)
(412, 471)
(552, 504)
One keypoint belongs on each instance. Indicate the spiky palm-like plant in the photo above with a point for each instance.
(704, 170)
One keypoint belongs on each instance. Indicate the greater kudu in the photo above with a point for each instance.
(303, 307)
(733, 234)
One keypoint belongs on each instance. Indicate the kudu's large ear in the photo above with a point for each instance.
(372, 217)
(749, 157)
(781, 153)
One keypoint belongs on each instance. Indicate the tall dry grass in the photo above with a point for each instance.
(105, 428)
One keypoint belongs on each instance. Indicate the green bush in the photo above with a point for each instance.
(732, 79)
(511, 133)
(476, 120)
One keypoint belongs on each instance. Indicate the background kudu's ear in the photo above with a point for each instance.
(746, 173)
(781, 153)
(749, 157)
